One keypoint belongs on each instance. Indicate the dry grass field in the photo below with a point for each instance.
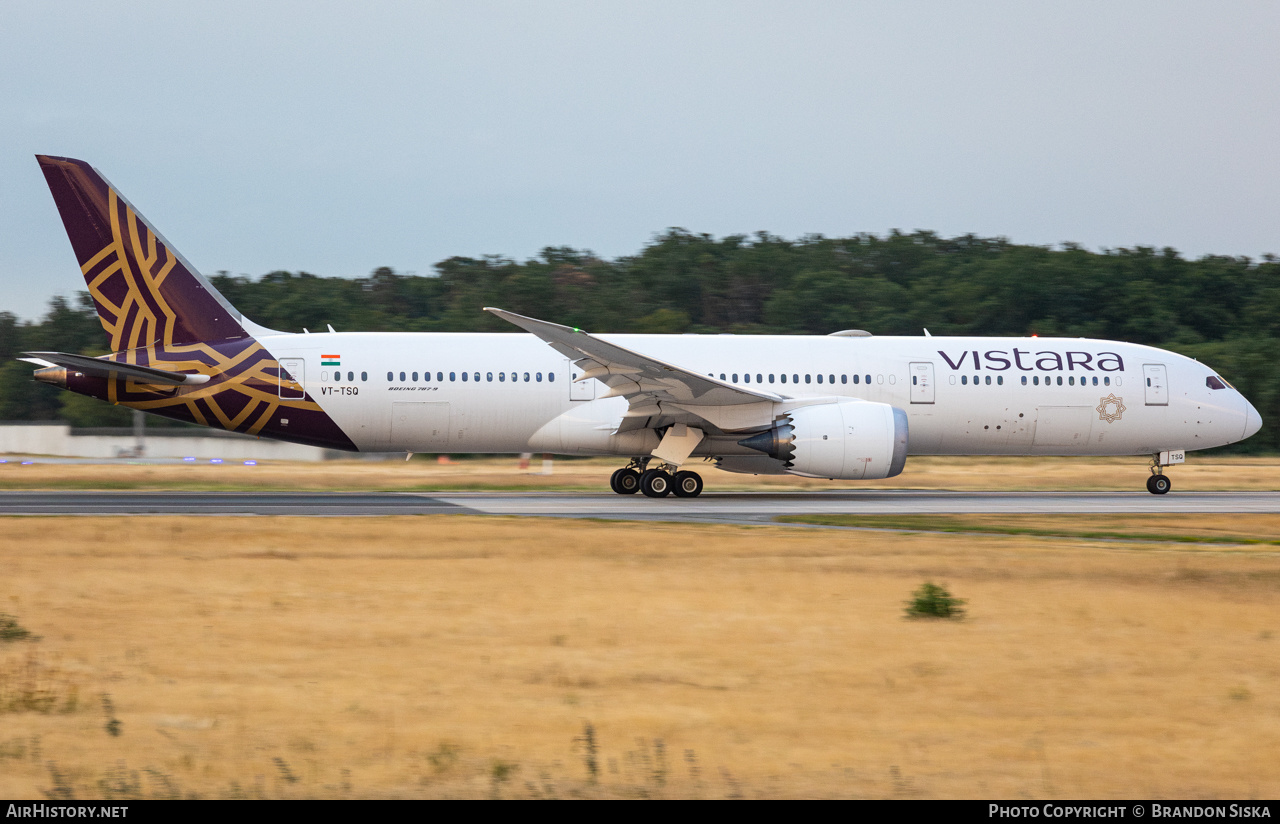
(503, 473)
(468, 656)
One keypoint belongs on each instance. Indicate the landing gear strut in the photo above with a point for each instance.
(1158, 483)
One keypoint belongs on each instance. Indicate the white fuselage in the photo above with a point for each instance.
(972, 396)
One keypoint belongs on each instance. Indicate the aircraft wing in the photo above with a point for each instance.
(656, 391)
(106, 368)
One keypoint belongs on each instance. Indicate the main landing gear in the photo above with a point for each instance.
(658, 482)
(1158, 483)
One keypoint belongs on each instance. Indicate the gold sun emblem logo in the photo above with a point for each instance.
(1110, 409)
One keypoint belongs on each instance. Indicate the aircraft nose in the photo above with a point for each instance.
(1252, 421)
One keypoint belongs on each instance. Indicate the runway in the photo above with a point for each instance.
(729, 507)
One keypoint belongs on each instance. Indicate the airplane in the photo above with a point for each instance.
(846, 406)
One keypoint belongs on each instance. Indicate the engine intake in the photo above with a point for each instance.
(849, 441)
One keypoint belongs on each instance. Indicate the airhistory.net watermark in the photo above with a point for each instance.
(65, 811)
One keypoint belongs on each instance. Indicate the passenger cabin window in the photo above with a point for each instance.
(390, 377)
(364, 376)
(1024, 380)
(845, 378)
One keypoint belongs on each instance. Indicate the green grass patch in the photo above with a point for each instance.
(1029, 525)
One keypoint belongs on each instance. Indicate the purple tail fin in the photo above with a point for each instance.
(145, 292)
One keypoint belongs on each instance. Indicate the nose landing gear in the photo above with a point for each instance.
(1158, 483)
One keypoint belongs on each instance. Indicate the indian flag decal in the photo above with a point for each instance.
(330, 360)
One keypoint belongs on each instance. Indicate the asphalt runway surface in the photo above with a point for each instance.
(724, 507)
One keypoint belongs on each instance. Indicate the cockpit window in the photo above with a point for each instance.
(1215, 382)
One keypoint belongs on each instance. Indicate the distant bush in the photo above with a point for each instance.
(11, 630)
(933, 601)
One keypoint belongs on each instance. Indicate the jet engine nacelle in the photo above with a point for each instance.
(850, 441)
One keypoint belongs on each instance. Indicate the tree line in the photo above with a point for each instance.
(1222, 310)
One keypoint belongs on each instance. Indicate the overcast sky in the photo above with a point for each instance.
(339, 137)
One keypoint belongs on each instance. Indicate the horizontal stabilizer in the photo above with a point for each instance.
(105, 369)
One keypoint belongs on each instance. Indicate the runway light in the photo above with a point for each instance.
(215, 460)
(27, 463)
(250, 463)
(188, 459)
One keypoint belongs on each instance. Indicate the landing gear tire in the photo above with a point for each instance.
(625, 481)
(688, 485)
(655, 483)
(1159, 484)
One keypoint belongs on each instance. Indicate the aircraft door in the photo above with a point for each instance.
(582, 390)
(291, 379)
(921, 382)
(1157, 384)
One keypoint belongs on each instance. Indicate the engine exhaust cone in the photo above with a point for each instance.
(765, 442)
